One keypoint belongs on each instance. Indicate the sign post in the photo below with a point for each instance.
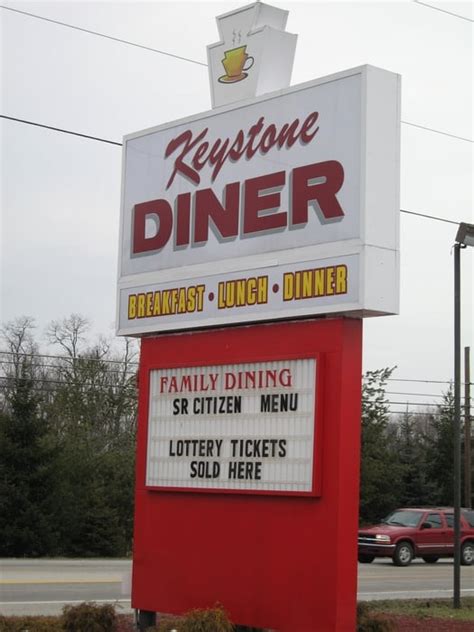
(254, 238)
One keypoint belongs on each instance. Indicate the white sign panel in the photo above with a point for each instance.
(235, 427)
(303, 180)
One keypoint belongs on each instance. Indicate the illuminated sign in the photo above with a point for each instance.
(283, 206)
(233, 427)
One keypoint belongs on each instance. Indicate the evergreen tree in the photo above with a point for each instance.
(440, 450)
(67, 437)
(27, 474)
(417, 488)
(381, 473)
(94, 410)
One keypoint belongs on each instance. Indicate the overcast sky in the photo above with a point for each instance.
(60, 198)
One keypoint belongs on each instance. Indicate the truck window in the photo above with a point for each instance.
(434, 520)
(449, 520)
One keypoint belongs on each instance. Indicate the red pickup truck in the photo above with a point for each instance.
(425, 532)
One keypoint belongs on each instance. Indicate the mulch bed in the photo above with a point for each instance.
(402, 623)
(407, 624)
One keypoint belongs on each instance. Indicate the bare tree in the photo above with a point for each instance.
(18, 356)
(18, 343)
(68, 334)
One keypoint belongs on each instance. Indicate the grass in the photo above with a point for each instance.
(424, 608)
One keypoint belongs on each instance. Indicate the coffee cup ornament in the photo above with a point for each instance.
(236, 62)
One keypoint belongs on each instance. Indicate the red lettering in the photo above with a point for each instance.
(259, 137)
(162, 211)
(237, 146)
(179, 165)
(306, 135)
(288, 134)
(255, 203)
(183, 219)
(330, 176)
(201, 150)
(225, 218)
(268, 139)
(249, 149)
(257, 211)
(218, 156)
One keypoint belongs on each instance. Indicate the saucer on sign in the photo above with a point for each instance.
(227, 79)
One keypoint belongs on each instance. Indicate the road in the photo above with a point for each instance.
(44, 586)
(383, 580)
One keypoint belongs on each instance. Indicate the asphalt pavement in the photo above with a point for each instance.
(45, 586)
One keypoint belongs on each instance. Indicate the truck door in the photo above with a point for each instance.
(432, 540)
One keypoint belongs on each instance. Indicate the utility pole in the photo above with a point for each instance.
(467, 429)
(464, 238)
(457, 427)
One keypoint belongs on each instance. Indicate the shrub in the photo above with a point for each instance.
(89, 617)
(168, 623)
(207, 620)
(199, 620)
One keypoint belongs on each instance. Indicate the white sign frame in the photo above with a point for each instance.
(249, 445)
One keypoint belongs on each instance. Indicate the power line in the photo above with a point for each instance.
(400, 379)
(111, 142)
(430, 6)
(159, 51)
(43, 388)
(440, 405)
(38, 384)
(438, 219)
(437, 131)
(431, 413)
(106, 385)
(59, 129)
(109, 37)
(413, 394)
(61, 368)
(132, 363)
(68, 358)
(193, 61)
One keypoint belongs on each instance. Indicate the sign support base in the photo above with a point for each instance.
(284, 562)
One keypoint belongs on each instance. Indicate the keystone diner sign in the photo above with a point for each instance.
(281, 206)
(233, 427)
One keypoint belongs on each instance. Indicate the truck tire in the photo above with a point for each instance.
(365, 558)
(467, 554)
(403, 555)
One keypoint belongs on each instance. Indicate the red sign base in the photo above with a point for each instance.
(284, 562)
